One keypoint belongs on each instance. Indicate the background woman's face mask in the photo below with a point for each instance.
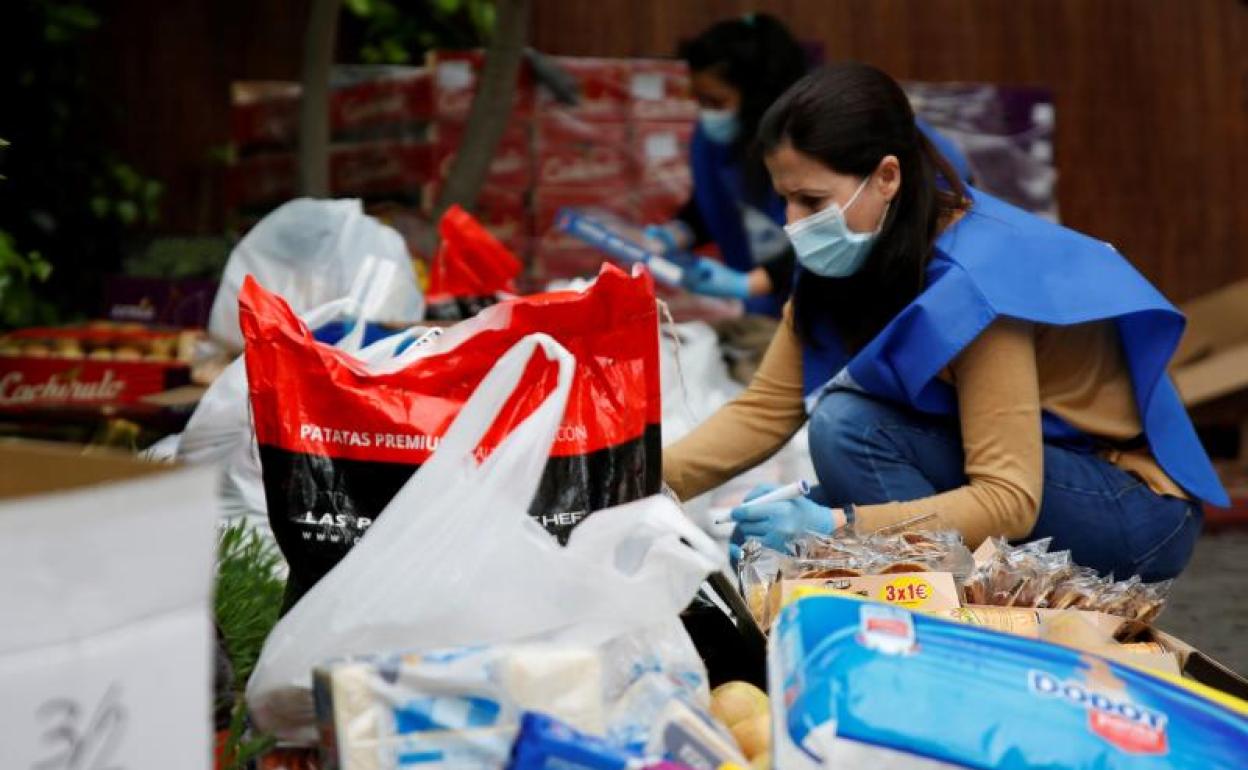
(720, 126)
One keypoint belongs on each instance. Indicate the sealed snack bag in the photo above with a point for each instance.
(338, 438)
(860, 684)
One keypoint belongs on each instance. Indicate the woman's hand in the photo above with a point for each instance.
(715, 279)
(778, 524)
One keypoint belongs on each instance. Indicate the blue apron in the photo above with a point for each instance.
(945, 146)
(719, 190)
(1001, 261)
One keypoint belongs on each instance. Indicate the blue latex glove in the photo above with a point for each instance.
(715, 279)
(778, 524)
(663, 235)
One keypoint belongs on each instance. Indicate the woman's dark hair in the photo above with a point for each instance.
(757, 55)
(849, 117)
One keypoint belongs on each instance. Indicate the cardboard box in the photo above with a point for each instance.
(97, 364)
(184, 302)
(380, 101)
(365, 102)
(603, 88)
(660, 90)
(105, 647)
(1212, 359)
(1161, 651)
(511, 167)
(934, 592)
(558, 255)
(264, 114)
(455, 76)
(572, 153)
(391, 170)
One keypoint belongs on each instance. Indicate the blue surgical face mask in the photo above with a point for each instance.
(720, 126)
(824, 243)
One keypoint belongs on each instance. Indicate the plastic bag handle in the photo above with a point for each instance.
(459, 444)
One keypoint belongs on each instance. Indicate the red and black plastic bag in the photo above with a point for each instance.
(470, 269)
(337, 441)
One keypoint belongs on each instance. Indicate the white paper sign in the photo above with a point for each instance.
(105, 632)
(455, 75)
(661, 147)
(648, 86)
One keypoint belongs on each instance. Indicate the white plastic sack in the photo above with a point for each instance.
(456, 560)
(694, 377)
(311, 252)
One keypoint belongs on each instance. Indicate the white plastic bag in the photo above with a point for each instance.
(694, 378)
(457, 560)
(311, 252)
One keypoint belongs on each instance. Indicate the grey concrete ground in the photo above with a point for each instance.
(1209, 606)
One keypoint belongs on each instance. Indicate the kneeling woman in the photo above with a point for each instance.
(959, 360)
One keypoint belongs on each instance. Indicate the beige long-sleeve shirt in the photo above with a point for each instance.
(1004, 379)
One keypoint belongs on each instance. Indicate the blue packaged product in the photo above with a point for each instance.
(615, 241)
(545, 743)
(858, 684)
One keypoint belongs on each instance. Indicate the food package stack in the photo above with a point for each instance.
(623, 149)
(379, 118)
(502, 204)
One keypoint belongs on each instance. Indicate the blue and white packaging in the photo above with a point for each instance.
(615, 240)
(860, 684)
(454, 708)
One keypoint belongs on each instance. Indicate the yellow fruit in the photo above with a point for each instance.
(761, 762)
(734, 702)
(753, 736)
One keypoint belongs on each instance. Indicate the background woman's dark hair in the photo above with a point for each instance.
(757, 55)
(849, 117)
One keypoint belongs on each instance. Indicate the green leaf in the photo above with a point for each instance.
(447, 7)
(152, 190)
(79, 16)
(127, 212)
(100, 206)
(395, 53)
(361, 8)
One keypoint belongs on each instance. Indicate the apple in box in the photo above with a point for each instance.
(575, 153)
(455, 76)
(603, 86)
(511, 167)
(661, 91)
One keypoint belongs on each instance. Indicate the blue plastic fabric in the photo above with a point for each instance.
(999, 261)
(882, 681)
(545, 743)
(334, 331)
(946, 147)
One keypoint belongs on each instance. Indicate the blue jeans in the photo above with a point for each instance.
(868, 451)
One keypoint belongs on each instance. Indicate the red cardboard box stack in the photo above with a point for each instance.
(623, 148)
(379, 118)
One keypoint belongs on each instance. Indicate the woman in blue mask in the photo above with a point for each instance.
(962, 364)
(739, 67)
